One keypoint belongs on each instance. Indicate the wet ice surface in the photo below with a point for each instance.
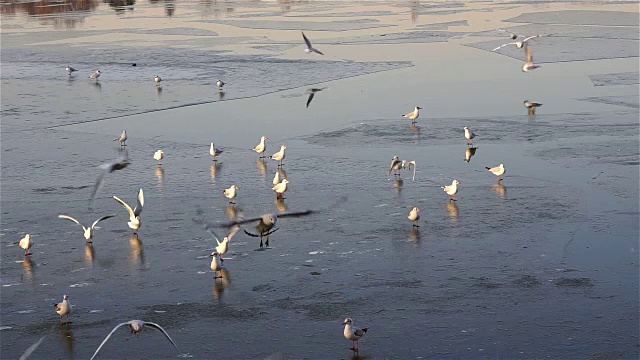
(342, 25)
(579, 17)
(545, 263)
(631, 101)
(630, 78)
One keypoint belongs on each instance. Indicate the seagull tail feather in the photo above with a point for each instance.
(488, 168)
(365, 330)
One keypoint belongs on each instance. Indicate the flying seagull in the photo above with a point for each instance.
(310, 48)
(134, 215)
(312, 93)
(222, 244)
(136, 327)
(518, 44)
(88, 231)
(108, 168)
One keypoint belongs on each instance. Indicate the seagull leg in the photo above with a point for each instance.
(266, 243)
(260, 241)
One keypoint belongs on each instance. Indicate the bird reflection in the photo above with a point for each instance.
(469, 153)
(312, 92)
(160, 176)
(96, 85)
(137, 251)
(27, 267)
(233, 213)
(357, 356)
(415, 5)
(416, 130)
(215, 168)
(283, 173)
(454, 212)
(89, 254)
(66, 335)
(262, 167)
(500, 190)
(414, 234)
(220, 95)
(169, 8)
(398, 184)
(281, 206)
(158, 91)
(219, 285)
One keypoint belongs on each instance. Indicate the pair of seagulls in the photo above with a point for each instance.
(262, 147)
(70, 70)
(213, 151)
(524, 43)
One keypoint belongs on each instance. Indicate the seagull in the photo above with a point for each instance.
(413, 115)
(136, 327)
(280, 189)
(216, 265)
(396, 165)
(309, 48)
(279, 155)
(219, 84)
(134, 215)
(452, 189)
(108, 168)
(223, 245)
(469, 135)
(122, 138)
(260, 148)
(414, 215)
(88, 231)
(529, 65)
(407, 165)
(25, 244)
(70, 70)
(469, 153)
(214, 151)
(231, 193)
(158, 155)
(511, 35)
(95, 75)
(497, 171)
(531, 106)
(63, 308)
(353, 333)
(157, 79)
(312, 93)
(518, 44)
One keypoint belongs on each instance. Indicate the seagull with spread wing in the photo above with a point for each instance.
(309, 48)
(223, 245)
(136, 327)
(108, 168)
(88, 231)
(519, 44)
(134, 214)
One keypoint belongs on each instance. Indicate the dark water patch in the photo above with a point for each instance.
(443, 26)
(176, 313)
(345, 14)
(629, 78)
(580, 17)
(527, 281)
(631, 101)
(569, 33)
(185, 31)
(573, 282)
(345, 25)
(418, 36)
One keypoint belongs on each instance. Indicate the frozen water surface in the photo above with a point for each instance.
(544, 264)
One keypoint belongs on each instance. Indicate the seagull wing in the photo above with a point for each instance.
(126, 206)
(212, 149)
(164, 332)
(503, 45)
(310, 98)
(306, 41)
(108, 336)
(316, 51)
(69, 218)
(233, 232)
(529, 38)
(206, 226)
(529, 53)
(138, 209)
(494, 169)
(102, 218)
(358, 331)
(31, 349)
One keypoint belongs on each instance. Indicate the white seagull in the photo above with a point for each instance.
(518, 44)
(469, 135)
(26, 243)
(260, 148)
(216, 265)
(231, 193)
(122, 138)
(497, 171)
(88, 231)
(136, 327)
(353, 333)
(267, 222)
(413, 115)
(279, 155)
(95, 75)
(63, 308)
(158, 155)
(134, 215)
(414, 215)
(452, 189)
(280, 189)
(407, 165)
(219, 84)
(309, 48)
(70, 70)
(157, 79)
(214, 151)
(529, 65)
(395, 166)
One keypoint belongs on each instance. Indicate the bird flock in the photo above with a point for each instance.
(266, 223)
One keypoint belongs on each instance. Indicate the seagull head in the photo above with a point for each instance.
(283, 147)
(415, 209)
(395, 158)
(285, 181)
(264, 138)
(456, 182)
(136, 326)
(418, 107)
(65, 297)
(214, 254)
(347, 321)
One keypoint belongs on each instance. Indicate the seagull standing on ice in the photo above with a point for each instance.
(70, 70)
(260, 148)
(95, 75)
(497, 171)
(531, 106)
(26, 243)
(413, 115)
(309, 48)
(280, 189)
(220, 84)
(519, 44)
(159, 155)
(452, 189)
(396, 165)
(216, 265)
(353, 333)
(214, 151)
(136, 327)
(63, 308)
(529, 65)
(122, 138)
(279, 156)
(134, 214)
(469, 135)
(414, 215)
(231, 193)
(88, 231)
(157, 79)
